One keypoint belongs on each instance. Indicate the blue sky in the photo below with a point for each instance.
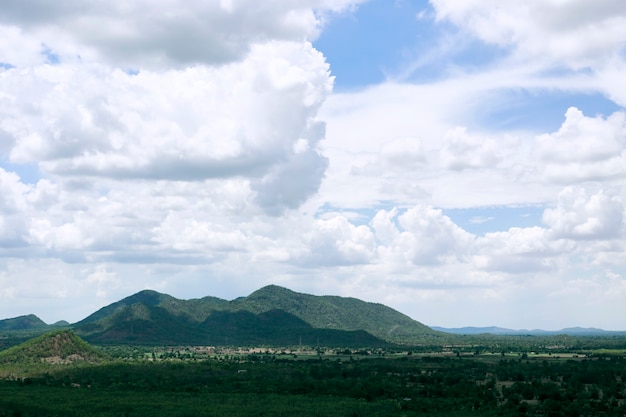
(381, 42)
(448, 159)
(377, 40)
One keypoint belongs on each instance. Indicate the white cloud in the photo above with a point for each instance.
(239, 120)
(198, 150)
(585, 214)
(585, 148)
(289, 184)
(453, 162)
(172, 91)
(64, 236)
(462, 151)
(13, 202)
(421, 236)
(103, 280)
(182, 233)
(480, 219)
(152, 34)
(518, 251)
(402, 154)
(572, 33)
(335, 241)
(582, 139)
(609, 81)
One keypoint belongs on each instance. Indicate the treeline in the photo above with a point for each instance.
(274, 386)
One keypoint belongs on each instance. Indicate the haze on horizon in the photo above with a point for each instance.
(461, 162)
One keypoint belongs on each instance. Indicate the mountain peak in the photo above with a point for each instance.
(151, 317)
(148, 297)
(27, 322)
(271, 290)
(334, 312)
(56, 347)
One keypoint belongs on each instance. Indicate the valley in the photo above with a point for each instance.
(461, 380)
(281, 353)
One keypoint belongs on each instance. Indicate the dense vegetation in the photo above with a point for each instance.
(45, 352)
(363, 383)
(271, 315)
(332, 312)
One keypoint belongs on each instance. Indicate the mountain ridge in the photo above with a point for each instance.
(152, 317)
(330, 312)
(268, 316)
(25, 322)
(571, 331)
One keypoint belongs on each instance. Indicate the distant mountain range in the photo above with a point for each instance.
(28, 322)
(270, 316)
(572, 331)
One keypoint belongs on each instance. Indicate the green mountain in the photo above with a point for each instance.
(29, 322)
(46, 351)
(332, 312)
(277, 327)
(270, 316)
(194, 310)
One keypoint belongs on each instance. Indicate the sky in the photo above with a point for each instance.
(463, 162)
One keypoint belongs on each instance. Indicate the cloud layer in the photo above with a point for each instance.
(199, 149)
(145, 34)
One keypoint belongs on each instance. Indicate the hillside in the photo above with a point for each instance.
(332, 312)
(48, 350)
(29, 322)
(272, 315)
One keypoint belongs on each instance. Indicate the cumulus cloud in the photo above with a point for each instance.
(582, 213)
(518, 251)
(213, 114)
(169, 91)
(584, 148)
(337, 242)
(181, 233)
(422, 235)
(252, 119)
(585, 139)
(200, 143)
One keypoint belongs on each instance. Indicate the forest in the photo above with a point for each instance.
(452, 381)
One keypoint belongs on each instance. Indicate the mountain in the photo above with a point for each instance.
(193, 310)
(270, 316)
(277, 327)
(29, 322)
(50, 349)
(332, 312)
(571, 331)
(475, 330)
